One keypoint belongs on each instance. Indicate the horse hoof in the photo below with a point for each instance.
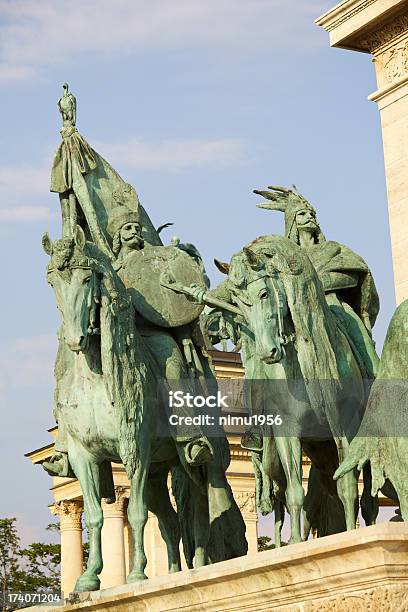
(87, 583)
(295, 540)
(135, 577)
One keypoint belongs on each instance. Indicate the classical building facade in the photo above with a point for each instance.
(380, 29)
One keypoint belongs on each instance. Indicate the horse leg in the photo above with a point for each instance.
(159, 503)
(290, 454)
(347, 487)
(369, 504)
(138, 513)
(87, 472)
(201, 525)
(279, 516)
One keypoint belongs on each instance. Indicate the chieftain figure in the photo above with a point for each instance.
(125, 342)
(347, 281)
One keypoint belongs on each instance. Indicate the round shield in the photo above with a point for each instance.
(148, 273)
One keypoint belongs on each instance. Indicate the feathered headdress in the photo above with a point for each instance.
(290, 202)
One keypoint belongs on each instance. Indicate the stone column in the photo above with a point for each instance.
(113, 545)
(389, 46)
(380, 28)
(246, 503)
(70, 517)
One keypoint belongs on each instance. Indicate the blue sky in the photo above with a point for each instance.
(194, 103)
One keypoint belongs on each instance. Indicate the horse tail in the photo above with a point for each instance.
(227, 528)
(323, 511)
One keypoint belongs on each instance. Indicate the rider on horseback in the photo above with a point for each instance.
(125, 229)
(347, 281)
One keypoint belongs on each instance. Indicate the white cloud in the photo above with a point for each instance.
(25, 213)
(24, 190)
(173, 155)
(26, 362)
(21, 186)
(25, 178)
(36, 34)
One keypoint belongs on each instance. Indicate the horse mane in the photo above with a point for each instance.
(319, 349)
(123, 367)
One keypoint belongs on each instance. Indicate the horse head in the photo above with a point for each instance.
(73, 276)
(261, 298)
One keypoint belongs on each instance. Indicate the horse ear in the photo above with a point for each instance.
(251, 256)
(222, 266)
(79, 237)
(47, 244)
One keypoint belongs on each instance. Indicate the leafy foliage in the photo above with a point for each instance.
(35, 569)
(265, 543)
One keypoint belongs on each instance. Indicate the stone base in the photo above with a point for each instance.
(366, 569)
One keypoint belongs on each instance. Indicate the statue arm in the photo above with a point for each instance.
(222, 292)
(203, 296)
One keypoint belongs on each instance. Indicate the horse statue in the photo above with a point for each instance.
(108, 401)
(298, 364)
(381, 439)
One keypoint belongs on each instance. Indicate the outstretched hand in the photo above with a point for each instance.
(195, 293)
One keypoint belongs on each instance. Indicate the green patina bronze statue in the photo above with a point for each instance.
(347, 281)
(126, 341)
(340, 287)
(289, 334)
(382, 437)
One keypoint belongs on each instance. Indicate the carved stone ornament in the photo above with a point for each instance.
(118, 507)
(394, 62)
(385, 34)
(69, 513)
(390, 598)
(245, 501)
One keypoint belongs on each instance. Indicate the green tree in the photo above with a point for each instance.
(42, 563)
(265, 543)
(41, 567)
(11, 575)
(34, 569)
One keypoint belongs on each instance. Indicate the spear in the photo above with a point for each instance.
(208, 299)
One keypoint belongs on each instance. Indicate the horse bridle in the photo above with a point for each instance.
(284, 338)
(94, 298)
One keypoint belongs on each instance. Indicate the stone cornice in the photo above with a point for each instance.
(342, 12)
(362, 25)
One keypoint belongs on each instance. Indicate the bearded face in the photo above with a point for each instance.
(306, 221)
(131, 235)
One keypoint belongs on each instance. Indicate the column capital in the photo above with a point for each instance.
(69, 513)
(117, 509)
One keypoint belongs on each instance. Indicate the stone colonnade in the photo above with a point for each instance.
(117, 539)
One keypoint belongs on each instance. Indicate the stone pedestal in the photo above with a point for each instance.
(70, 517)
(113, 542)
(362, 570)
(380, 28)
